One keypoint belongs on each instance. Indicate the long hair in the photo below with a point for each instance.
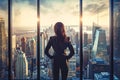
(60, 31)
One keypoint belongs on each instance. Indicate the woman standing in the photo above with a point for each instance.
(59, 43)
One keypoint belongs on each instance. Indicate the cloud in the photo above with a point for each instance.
(50, 5)
(24, 14)
(96, 11)
(24, 11)
(59, 6)
(29, 2)
(46, 3)
(4, 5)
(50, 2)
(66, 11)
(96, 6)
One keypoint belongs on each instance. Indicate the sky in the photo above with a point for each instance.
(24, 12)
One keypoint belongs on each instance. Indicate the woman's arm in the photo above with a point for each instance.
(49, 44)
(71, 50)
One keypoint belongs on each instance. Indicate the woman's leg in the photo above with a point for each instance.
(56, 71)
(64, 70)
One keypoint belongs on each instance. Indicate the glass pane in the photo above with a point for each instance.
(24, 38)
(4, 40)
(116, 25)
(67, 12)
(96, 44)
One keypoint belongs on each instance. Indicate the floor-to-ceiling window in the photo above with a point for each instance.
(67, 12)
(24, 39)
(96, 55)
(4, 62)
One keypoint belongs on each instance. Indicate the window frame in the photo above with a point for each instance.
(38, 39)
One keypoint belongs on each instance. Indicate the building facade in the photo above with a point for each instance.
(99, 48)
(21, 65)
(3, 47)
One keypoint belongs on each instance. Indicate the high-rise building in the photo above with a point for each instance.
(33, 48)
(95, 27)
(28, 51)
(21, 65)
(86, 56)
(77, 42)
(100, 45)
(14, 42)
(42, 46)
(85, 39)
(23, 44)
(13, 48)
(96, 65)
(3, 46)
(116, 36)
(116, 21)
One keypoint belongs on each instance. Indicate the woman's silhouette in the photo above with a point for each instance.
(59, 43)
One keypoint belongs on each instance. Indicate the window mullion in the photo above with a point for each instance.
(111, 40)
(38, 40)
(81, 43)
(9, 37)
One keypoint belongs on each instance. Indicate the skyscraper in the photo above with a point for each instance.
(42, 46)
(33, 48)
(28, 52)
(13, 51)
(85, 39)
(3, 46)
(97, 65)
(100, 45)
(95, 27)
(23, 44)
(116, 28)
(21, 65)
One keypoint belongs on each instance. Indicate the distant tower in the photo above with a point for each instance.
(28, 52)
(23, 44)
(116, 29)
(77, 42)
(13, 50)
(21, 65)
(95, 27)
(3, 46)
(100, 44)
(85, 39)
(116, 26)
(42, 46)
(33, 48)
(85, 56)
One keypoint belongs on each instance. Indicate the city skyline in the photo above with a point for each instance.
(73, 62)
(96, 38)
